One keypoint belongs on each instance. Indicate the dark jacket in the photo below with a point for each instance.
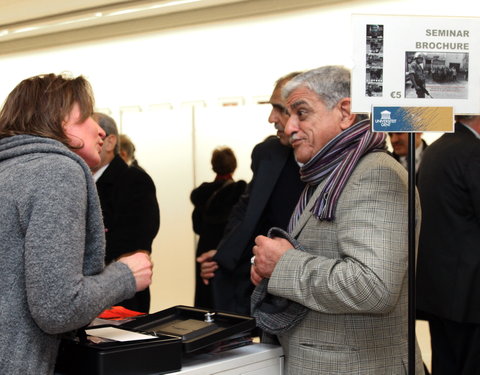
(213, 203)
(131, 216)
(448, 280)
(251, 216)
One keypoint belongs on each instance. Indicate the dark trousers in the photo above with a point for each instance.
(140, 302)
(455, 347)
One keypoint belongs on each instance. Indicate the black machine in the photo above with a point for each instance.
(151, 344)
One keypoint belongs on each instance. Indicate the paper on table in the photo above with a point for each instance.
(117, 334)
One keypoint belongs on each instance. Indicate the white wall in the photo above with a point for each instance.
(164, 74)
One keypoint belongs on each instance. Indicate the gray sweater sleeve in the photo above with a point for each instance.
(60, 296)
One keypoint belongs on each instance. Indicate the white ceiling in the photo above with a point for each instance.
(15, 11)
(26, 18)
(12, 11)
(33, 24)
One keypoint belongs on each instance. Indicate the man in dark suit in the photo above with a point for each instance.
(269, 201)
(129, 205)
(448, 277)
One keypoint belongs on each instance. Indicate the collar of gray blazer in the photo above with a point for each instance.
(307, 212)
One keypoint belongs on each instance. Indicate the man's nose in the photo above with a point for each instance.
(290, 126)
(272, 118)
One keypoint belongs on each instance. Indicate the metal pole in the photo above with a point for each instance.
(411, 253)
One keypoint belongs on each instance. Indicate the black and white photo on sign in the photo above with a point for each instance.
(436, 75)
(374, 60)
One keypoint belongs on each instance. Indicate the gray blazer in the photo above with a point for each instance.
(353, 278)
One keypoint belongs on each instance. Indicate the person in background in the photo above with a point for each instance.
(399, 143)
(269, 201)
(52, 242)
(333, 289)
(448, 280)
(127, 150)
(129, 205)
(213, 202)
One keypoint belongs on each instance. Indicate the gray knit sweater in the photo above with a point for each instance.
(52, 274)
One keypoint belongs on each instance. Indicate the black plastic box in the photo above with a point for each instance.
(159, 355)
(177, 332)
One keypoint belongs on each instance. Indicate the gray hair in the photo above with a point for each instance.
(109, 126)
(331, 83)
(285, 78)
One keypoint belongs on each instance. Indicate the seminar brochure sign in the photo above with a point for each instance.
(416, 61)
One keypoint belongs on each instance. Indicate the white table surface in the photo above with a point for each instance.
(231, 359)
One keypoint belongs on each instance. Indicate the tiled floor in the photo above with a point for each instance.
(423, 337)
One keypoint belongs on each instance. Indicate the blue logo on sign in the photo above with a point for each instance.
(392, 119)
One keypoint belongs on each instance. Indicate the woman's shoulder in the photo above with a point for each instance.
(201, 193)
(240, 185)
(51, 170)
(233, 190)
(57, 164)
(208, 186)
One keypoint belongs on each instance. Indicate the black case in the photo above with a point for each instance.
(225, 326)
(160, 355)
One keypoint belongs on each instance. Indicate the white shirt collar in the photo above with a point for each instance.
(99, 173)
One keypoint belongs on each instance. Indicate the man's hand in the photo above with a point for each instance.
(141, 266)
(267, 252)
(207, 265)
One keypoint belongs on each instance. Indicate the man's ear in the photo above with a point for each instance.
(347, 118)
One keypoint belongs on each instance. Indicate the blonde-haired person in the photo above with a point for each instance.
(127, 150)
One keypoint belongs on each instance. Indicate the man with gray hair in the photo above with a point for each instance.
(334, 288)
(129, 205)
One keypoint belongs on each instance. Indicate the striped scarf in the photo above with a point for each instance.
(336, 162)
